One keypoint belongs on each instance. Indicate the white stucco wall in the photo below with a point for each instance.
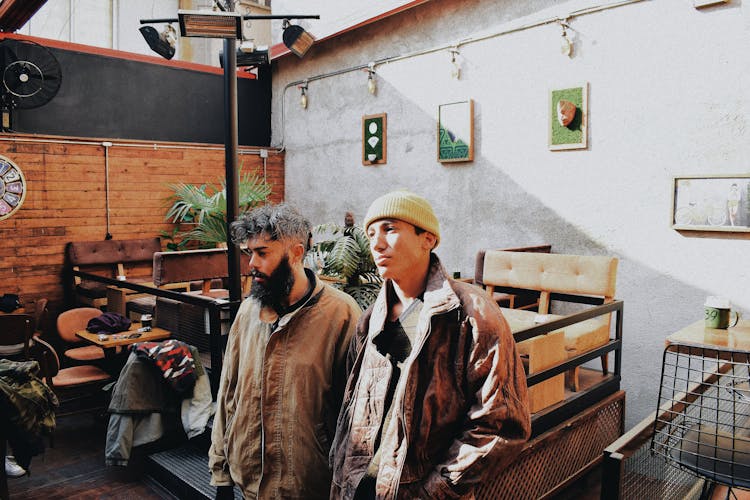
(669, 96)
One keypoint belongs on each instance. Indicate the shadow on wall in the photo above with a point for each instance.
(656, 305)
(480, 206)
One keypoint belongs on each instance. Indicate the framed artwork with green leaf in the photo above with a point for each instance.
(374, 147)
(455, 132)
(568, 118)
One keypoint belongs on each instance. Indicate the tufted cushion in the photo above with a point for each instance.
(574, 274)
(81, 253)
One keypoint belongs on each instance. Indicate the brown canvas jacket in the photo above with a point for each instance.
(461, 400)
(279, 396)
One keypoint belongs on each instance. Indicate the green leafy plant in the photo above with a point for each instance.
(174, 242)
(205, 207)
(345, 257)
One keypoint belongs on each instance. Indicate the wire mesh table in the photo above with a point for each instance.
(704, 428)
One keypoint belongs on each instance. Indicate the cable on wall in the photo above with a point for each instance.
(453, 47)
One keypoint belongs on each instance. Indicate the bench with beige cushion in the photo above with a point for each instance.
(572, 275)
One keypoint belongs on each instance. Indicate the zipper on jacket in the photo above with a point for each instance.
(262, 424)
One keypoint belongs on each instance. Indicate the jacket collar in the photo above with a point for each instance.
(439, 297)
(269, 315)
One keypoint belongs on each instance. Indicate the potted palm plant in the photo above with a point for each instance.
(344, 259)
(205, 207)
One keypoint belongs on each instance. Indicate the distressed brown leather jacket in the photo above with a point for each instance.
(461, 401)
(280, 394)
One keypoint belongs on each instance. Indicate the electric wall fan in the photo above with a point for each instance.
(31, 76)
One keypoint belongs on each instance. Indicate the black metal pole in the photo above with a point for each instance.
(230, 158)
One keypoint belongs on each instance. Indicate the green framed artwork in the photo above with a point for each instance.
(374, 147)
(455, 132)
(568, 118)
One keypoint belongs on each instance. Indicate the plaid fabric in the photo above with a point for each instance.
(174, 360)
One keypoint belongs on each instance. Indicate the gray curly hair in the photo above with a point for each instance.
(280, 222)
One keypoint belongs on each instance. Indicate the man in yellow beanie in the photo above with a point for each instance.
(436, 393)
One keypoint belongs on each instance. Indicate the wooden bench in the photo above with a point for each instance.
(196, 271)
(568, 276)
(122, 259)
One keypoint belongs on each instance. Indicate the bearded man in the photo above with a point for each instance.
(284, 373)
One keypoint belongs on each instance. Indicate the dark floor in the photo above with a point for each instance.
(75, 468)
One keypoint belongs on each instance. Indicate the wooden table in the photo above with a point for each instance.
(123, 338)
(696, 334)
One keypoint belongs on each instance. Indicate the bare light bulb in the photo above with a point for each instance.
(456, 69)
(303, 95)
(566, 45)
(372, 86)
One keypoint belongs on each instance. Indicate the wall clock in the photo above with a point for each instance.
(12, 188)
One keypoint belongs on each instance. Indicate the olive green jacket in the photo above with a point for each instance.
(279, 396)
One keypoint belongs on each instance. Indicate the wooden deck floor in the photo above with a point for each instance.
(75, 468)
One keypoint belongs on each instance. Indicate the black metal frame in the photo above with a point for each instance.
(553, 415)
(704, 427)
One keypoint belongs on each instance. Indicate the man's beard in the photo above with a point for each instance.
(276, 287)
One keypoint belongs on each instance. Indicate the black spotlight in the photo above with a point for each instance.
(161, 44)
(296, 38)
(254, 56)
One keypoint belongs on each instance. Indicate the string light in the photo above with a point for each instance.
(303, 95)
(566, 45)
(456, 69)
(372, 86)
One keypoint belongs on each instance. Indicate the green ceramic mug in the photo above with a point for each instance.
(718, 314)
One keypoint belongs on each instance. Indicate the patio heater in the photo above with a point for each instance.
(227, 24)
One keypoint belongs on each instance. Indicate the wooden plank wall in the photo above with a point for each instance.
(66, 199)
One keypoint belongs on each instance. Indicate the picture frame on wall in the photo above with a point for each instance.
(374, 139)
(455, 132)
(568, 118)
(711, 203)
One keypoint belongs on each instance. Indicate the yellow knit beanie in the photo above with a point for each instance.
(406, 206)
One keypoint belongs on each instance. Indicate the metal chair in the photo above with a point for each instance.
(75, 320)
(704, 423)
(15, 333)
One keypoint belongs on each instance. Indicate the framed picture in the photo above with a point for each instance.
(699, 4)
(568, 118)
(455, 132)
(374, 148)
(711, 203)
